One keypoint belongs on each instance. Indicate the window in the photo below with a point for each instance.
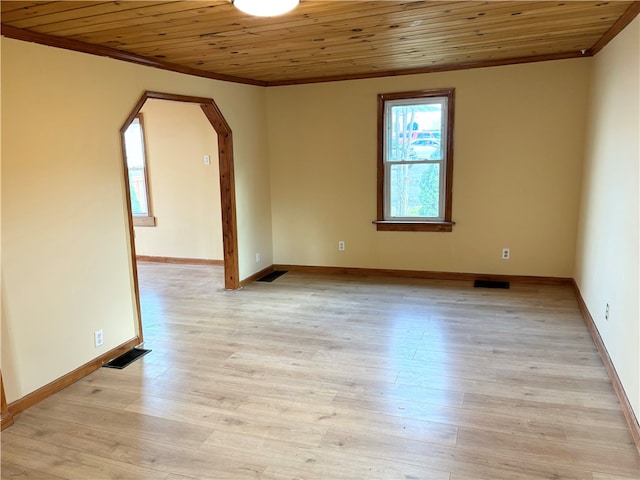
(415, 160)
(137, 170)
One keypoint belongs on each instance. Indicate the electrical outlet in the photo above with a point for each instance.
(98, 338)
(207, 160)
(257, 258)
(341, 246)
(606, 312)
(506, 253)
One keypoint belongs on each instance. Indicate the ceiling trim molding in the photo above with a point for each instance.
(78, 46)
(626, 18)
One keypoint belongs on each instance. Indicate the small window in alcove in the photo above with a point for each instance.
(137, 170)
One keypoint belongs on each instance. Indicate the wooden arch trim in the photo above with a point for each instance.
(227, 184)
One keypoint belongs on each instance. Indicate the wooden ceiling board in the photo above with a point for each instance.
(217, 21)
(233, 27)
(292, 38)
(144, 15)
(376, 13)
(79, 14)
(320, 39)
(18, 10)
(224, 20)
(199, 21)
(298, 39)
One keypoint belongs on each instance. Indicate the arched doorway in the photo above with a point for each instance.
(227, 187)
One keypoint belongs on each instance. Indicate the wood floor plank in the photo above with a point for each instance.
(615, 462)
(604, 437)
(19, 472)
(507, 354)
(453, 416)
(303, 462)
(522, 391)
(151, 427)
(590, 416)
(318, 377)
(83, 392)
(517, 363)
(456, 460)
(326, 466)
(63, 461)
(606, 476)
(131, 452)
(174, 410)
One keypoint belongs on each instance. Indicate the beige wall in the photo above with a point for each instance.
(607, 246)
(66, 270)
(185, 193)
(518, 151)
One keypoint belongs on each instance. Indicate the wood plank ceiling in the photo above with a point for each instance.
(320, 40)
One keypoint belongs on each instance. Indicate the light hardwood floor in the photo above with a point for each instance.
(329, 377)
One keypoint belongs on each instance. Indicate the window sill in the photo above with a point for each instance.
(142, 221)
(395, 226)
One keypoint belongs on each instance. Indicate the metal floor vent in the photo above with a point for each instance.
(490, 284)
(270, 277)
(126, 358)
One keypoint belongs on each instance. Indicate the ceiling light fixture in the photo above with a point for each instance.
(265, 8)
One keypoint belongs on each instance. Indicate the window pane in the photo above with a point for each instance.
(134, 145)
(415, 132)
(138, 192)
(414, 190)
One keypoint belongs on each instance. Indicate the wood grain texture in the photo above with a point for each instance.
(184, 261)
(46, 391)
(399, 226)
(625, 19)
(468, 277)
(99, 50)
(631, 418)
(317, 376)
(319, 40)
(6, 415)
(227, 181)
(227, 193)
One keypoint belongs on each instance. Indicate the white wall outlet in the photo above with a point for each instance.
(506, 253)
(98, 338)
(257, 258)
(207, 160)
(606, 312)
(341, 245)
